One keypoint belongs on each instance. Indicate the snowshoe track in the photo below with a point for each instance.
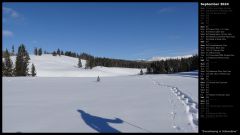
(190, 105)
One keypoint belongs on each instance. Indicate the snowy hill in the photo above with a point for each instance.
(64, 66)
(158, 58)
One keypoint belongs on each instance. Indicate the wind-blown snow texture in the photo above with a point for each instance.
(130, 103)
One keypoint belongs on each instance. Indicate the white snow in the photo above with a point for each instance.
(65, 66)
(158, 58)
(65, 98)
(140, 103)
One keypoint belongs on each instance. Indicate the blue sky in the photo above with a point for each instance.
(116, 30)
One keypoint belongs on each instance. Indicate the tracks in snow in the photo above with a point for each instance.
(190, 105)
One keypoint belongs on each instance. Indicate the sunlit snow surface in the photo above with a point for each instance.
(121, 102)
(64, 66)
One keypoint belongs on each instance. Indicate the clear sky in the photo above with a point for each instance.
(116, 30)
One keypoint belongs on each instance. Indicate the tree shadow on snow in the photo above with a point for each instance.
(98, 123)
(186, 74)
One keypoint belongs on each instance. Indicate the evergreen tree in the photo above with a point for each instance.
(194, 62)
(85, 56)
(54, 53)
(35, 51)
(91, 63)
(79, 63)
(87, 65)
(62, 53)
(149, 70)
(8, 65)
(33, 70)
(12, 49)
(173, 65)
(3, 69)
(40, 51)
(3, 53)
(22, 61)
(58, 52)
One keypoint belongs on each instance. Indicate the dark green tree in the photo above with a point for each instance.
(8, 65)
(35, 51)
(13, 50)
(33, 70)
(54, 53)
(22, 61)
(58, 52)
(40, 51)
(79, 63)
(3, 69)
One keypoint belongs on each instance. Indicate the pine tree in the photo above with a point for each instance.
(40, 51)
(62, 53)
(58, 52)
(22, 61)
(3, 69)
(12, 49)
(79, 63)
(35, 51)
(87, 65)
(54, 53)
(149, 70)
(33, 70)
(8, 65)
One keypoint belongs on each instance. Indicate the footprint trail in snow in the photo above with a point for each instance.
(190, 106)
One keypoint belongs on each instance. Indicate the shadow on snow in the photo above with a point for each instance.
(98, 123)
(193, 74)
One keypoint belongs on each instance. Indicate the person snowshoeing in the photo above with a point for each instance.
(98, 79)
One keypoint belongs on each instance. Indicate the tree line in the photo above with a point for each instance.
(153, 67)
(173, 65)
(38, 51)
(21, 63)
(109, 62)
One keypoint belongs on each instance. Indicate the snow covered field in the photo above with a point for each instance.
(142, 104)
(121, 102)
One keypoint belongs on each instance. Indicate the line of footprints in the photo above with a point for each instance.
(190, 105)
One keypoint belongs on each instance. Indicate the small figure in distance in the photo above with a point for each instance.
(141, 72)
(98, 79)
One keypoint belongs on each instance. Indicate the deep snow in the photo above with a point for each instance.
(141, 104)
(64, 98)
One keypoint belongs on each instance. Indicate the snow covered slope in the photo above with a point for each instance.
(158, 58)
(147, 103)
(64, 66)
